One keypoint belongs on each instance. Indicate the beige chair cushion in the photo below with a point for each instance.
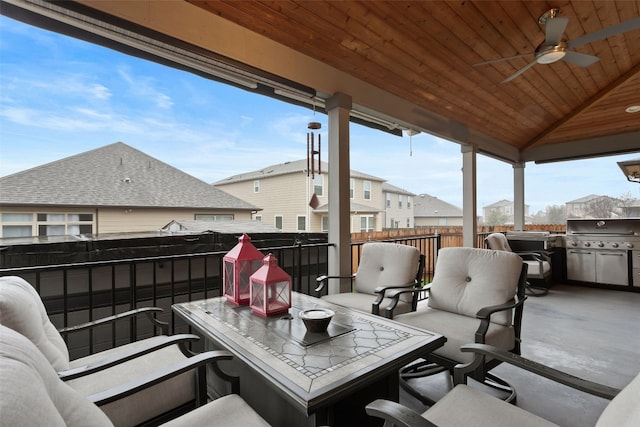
(466, 406)
(148, 403)
(21, 309)
(624, 409)
(225, 411)
(468, 279)
(534, 268)
(386, 264)
(32, 393)
(498, 242)
(459, 331)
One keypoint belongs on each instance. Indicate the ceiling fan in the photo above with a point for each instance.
(555, 48)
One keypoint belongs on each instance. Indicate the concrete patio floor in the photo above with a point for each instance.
(589, 332)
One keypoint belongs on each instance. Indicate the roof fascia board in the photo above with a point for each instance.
(585, 148)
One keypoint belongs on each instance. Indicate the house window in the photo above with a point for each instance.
(259, 218)
(352, 188)
(59, 224)
(45, 224)
(391, 223)
(408, 222)
(409, 201)
(256, 186)
(400, 200)
(325, 223)
(318, 185)
(214, 217)
(17, 231)
(302, 223)
(20, 225)
(367, 223)
(389, 200)
(366, 185)
(278, 222)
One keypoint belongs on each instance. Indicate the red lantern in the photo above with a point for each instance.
(270, 288)
(239, 264)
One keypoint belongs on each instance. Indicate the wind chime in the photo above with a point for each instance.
(312, 153)
(311, 149)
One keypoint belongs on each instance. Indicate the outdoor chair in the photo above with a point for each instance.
(22, 310)
(469, 406)
(538, 262)
(476, 296)
(383, 266)
(33, 394)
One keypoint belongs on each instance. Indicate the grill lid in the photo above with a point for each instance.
(604, 226)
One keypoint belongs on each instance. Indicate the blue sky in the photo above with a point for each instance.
(60, 97)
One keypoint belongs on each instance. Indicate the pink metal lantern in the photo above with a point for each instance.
(270, 288)
(239, 264)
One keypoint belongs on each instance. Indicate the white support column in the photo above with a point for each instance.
(469, 196)
(518, 196)
(338, 108)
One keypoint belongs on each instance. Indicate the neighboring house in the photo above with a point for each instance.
(285, 193)
(430, 211)
(631, 211)
(111, 189)
(503, 211)
(398, 207)
(594, 206)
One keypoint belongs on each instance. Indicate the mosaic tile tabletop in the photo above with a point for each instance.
(306, 364)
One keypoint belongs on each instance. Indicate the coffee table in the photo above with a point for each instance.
(295, 378)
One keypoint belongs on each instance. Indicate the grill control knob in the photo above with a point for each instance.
(600, 244)
(574, 244)
(614, 245)
(587, 244)
(630, 245)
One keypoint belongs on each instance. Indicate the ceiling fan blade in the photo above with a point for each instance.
(491, 61)
(554, 30)
(520, 71)
(622, 27)
(580, 59)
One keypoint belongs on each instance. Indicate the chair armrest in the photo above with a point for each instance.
(125, 356)
(394, 294)
(484, 314)
(381, 290)
(146, 381)
(535, 256)
(148, 311)
(482, 350)
(397, 415)
(322, 281)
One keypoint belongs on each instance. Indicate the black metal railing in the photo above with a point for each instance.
(80, 292)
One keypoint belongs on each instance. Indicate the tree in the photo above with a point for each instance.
(496, 217)
(601, 207)
(556, 214)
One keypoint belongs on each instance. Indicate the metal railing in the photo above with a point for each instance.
(80, 292)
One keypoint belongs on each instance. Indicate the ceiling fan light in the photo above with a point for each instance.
(551, 57)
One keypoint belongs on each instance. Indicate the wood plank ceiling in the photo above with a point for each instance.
(425, 51)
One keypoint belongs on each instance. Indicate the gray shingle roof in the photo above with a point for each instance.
(284, 169)
(425, 205)
(113, 175)
(393, 189)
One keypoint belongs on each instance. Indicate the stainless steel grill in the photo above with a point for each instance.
(603, 251)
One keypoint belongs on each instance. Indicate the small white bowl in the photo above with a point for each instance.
(316, 319)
